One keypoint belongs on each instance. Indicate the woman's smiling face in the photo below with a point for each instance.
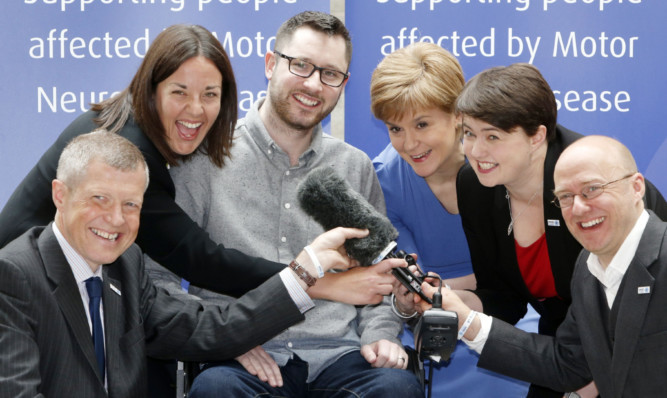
(497, 156)
(188, 103)
(425, 139)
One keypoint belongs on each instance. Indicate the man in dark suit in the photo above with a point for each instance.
(615, 332)
(53, 346)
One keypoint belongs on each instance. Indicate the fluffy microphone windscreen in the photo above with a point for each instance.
(330, 200)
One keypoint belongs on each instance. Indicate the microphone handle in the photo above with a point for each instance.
(410, 280)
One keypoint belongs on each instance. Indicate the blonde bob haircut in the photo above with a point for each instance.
(418, 77)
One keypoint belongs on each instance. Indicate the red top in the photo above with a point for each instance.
(536, 268)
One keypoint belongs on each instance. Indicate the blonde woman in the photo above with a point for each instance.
(413, 91)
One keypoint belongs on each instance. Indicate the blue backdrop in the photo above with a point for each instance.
(603, 57)
(61, 55)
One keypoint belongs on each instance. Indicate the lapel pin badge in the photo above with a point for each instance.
(643, 290)
(115, 289)
(553, 223)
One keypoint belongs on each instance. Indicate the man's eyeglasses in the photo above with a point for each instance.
(566, 199)
(301, 68)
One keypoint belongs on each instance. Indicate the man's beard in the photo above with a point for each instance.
(284, 110)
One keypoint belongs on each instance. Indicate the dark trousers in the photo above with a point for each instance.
(350, 376)
(161, 378)
(536, 391)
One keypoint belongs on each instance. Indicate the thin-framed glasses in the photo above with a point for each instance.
(591, 191)
(301, 68)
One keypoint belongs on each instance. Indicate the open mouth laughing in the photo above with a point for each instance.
(188, 130)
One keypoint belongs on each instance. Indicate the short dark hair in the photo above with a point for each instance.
(319, 22)
(513, 96)
(170, 49)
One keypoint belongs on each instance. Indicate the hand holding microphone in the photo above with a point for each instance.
(328, 248)
(324, 253)
(331, 202)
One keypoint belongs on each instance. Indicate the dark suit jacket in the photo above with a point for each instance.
(485, 217)
(628, 359)
(47, 349)
(167, 233)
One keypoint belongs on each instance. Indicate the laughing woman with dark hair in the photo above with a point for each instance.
(181, 100)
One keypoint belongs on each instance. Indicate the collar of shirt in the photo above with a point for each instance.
(612, 276)
(81, 272)
(79, 266)
(80, 269)
(261, 136)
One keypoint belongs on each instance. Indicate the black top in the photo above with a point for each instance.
(166, 233)
(485, 217)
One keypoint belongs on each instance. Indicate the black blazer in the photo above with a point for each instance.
(485, 217)
(47, 350)
(166, 233)
(626, 359)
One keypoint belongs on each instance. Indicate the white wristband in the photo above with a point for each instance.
(467, 324)
(316, 262)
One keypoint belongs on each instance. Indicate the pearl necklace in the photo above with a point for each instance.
(509, 204)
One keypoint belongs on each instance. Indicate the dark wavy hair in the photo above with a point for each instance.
(170, 49)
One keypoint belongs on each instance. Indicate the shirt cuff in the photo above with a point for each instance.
(296, 292)
(477, 344)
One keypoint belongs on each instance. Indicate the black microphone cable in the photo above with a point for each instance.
(437, 303)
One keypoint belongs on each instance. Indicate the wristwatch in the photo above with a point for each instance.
(572, 395)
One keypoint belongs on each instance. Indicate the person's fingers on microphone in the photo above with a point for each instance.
(432, 279)
(398, 288)
(384, 289)
(350, 262)
(350, 233)
(388, 264)
(428, 290)
(336, 237)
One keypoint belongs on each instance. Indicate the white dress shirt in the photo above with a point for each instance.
(610, 278)
(81, 271)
